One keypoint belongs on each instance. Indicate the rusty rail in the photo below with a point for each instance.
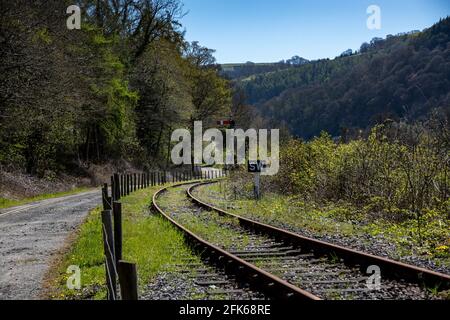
(391, 269)
(259, 279)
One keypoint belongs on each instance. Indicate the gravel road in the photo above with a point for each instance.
(31, 235)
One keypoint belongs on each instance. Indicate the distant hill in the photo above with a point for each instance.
(241, 71)
(402, 76)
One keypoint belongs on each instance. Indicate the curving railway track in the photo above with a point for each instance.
(283, 265)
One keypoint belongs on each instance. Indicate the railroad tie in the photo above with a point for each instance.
(331, 282)
(261, 249)
(224, 292)
(338, 290)
(211, 283)
(267, 254)
(206, 275)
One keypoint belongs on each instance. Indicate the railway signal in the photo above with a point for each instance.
(227, 123)
(256, 167)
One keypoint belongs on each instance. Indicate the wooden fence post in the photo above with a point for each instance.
(131, 183)
(128, 280)
(117, 187)
(117, 213)
(112, 187)
(138, 182)
(105, 198)
(121, 185)
(108, 247)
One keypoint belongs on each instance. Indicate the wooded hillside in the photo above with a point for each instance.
(400, 77)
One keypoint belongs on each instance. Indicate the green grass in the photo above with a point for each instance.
(8, 203)
(148, 240)
(220, 230)
(277, 208)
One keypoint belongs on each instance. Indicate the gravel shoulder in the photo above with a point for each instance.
(31, 236)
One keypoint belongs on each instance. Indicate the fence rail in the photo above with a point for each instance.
(123, 185)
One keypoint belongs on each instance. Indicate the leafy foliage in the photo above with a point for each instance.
(400, 173)
(110, 91)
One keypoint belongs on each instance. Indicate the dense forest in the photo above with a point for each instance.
(400, 77)
(113, 90)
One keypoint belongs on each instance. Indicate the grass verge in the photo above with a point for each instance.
(148, 240)
(8, 203)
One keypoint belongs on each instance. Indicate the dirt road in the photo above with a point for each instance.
(31, 235)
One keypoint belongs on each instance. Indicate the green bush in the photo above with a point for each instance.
(398, 174)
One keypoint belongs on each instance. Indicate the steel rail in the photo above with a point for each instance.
(262, 280)
(390, 269)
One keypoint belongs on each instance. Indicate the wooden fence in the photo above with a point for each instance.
(117, 270)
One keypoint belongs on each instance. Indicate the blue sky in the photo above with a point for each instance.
(270, 30)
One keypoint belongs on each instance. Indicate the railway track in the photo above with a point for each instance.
(283, 265)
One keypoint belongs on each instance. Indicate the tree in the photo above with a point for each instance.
(210, 93)
(165, 99)
(141, 22)
(296, 61)
(347, 53)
